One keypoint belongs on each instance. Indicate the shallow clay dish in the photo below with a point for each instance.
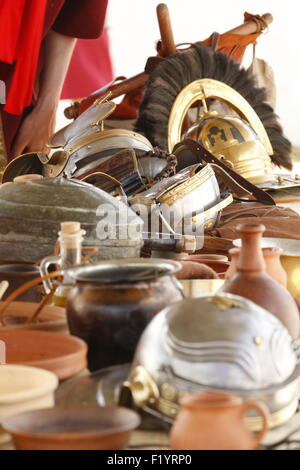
(73, 428)
(51, 318)
(64, 355)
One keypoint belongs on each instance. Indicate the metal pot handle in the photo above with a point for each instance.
(21, 290)
(44, 270)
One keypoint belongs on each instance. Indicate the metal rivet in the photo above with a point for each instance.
(168, 391)
(258, 341)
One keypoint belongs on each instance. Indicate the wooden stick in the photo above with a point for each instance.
(119, 89)
(42, 305)
(21, 289)
(167, 48)
(166, 32)
(137, 81)
(250, 27)
(3, 288)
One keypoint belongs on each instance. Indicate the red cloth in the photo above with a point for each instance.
(90, 67)
(81, 19)
(21, 28)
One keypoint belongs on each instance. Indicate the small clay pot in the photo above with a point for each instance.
(216, 421)
(193, 270)
(73, 428)
(220, 267)
(252, 281)
(234, 254)
(272, 260)
(17, 275)
(273, 265)
(64, 355)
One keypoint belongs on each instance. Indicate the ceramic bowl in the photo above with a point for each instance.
(198, 287)
(51, 318)
(73, 428)
(290, 259)
(64, 355)
(24, 388)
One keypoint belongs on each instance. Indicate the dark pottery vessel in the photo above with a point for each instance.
(19, 274)
(112, 303)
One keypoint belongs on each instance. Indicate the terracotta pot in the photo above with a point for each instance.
(111, 305)
(234, 254)
(272, 260)
(251, 281)
(220, 267)
(216, 421)
(290, 260)
(62, 354)
(273, 265)
(51, 318)
(17, 275)
(193, 270)
(24, 388)
(73, 428)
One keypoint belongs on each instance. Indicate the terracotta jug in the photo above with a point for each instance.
(251, 281)
(234, 254)
(216, 421)
(272, 259)
(273, 265)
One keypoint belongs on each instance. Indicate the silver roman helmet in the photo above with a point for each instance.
(222, 343)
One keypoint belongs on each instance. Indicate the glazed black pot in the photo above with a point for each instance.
(17, 275)
(112, 303)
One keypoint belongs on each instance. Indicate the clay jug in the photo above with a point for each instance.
(234, 254)
(216, 421)
(272, 259)
(273, 265)
(251, 281)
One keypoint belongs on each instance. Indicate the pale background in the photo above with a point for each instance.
(134, 30)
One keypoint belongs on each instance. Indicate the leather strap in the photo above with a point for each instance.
(235, 181)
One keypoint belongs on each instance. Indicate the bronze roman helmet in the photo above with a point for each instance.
(234, 141)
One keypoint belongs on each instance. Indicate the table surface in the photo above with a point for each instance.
(159, 440)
